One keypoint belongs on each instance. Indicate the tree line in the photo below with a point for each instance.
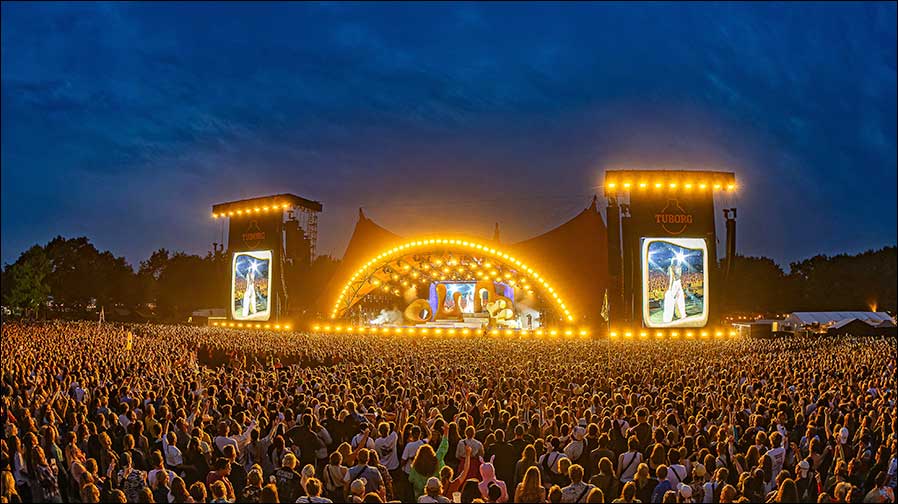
(860, 282)
(71, 277)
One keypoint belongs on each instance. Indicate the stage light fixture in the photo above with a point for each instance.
(731, 187)
(716, 187)
(689, 334)
(657, 185)
(611, 185)
(659, 334)
(643, 334)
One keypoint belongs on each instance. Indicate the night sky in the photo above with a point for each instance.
(126, 122)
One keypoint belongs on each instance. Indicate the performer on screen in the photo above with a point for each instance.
(249, 294)
(674, 297)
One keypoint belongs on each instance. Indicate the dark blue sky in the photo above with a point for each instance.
(125, 122)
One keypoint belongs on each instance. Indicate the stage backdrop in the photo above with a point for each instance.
(255, 246)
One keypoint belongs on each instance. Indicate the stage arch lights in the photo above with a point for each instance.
(496, 255)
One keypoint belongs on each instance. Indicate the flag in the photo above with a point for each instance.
(605, 308)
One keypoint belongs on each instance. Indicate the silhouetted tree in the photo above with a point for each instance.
(756, 285)
(25, 281)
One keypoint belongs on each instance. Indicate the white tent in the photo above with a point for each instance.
(825, 319)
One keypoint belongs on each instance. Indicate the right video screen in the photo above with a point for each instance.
(674, 282)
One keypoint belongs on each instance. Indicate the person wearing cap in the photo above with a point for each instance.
(433, 491)
(806, 484)
(577, 445)
(357, 490)
(699, 477)
(684, 493)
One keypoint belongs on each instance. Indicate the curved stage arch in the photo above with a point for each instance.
(571, 259)
(391, 269)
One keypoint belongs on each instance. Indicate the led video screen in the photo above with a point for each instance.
(251, 285)
(465, 301)
(674, 282)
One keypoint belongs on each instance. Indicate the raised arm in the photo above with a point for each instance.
(464, 474)
(444, 444)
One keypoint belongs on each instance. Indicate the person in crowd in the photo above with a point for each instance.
(253, 488)
(531, 489)
(269, 493)
(427, 464)
(578, 490)
(628, 463)
(627, 494)
(595, 496)
(374, 482)
(287, 480)
(313, 492)
(433, 491)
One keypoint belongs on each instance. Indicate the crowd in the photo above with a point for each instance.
(152, 413)
(658, 283)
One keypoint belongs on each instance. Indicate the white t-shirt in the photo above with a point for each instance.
(676, 474)
(222, 441)
(409, 454)
(778, 457)
(476, 448)
(358, 439)
(386, 450)
(628, 464)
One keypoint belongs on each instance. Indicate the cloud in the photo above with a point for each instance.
(182, 105)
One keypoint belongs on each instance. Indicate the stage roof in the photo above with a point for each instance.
(264, 203)
(617, 181)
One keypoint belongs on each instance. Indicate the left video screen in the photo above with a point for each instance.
(251, 285)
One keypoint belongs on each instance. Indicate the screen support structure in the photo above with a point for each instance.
(257, 225)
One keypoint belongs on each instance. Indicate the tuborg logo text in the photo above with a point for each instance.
(253, 236)
(673, 218)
